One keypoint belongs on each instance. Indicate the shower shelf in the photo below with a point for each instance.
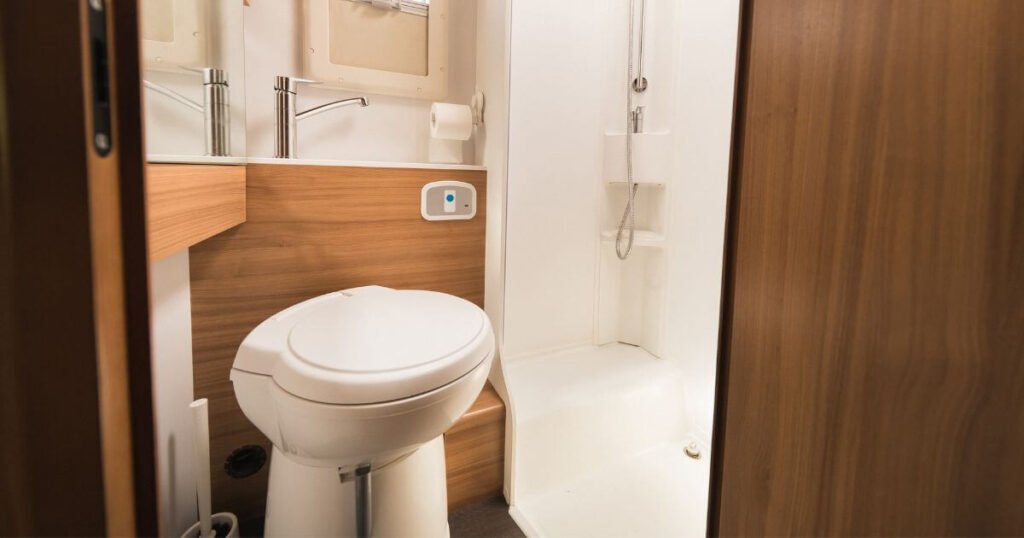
(643, 238)
(640, 182)
(652, 157)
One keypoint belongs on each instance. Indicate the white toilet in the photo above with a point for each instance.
(355, 389)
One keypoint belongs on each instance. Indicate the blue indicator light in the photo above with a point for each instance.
(450, 198)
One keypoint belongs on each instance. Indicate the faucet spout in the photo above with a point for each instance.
(287, 117)
(361, 101)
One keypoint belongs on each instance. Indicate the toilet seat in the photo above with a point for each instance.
(368, 345)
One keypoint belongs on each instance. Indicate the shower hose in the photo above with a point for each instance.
(627, 225)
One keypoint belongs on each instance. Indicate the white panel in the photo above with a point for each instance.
(555, 162)
(652, 157)
(171, 318)
(706, 44)
(492, 150)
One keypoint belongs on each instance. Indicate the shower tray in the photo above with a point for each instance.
(596, 446)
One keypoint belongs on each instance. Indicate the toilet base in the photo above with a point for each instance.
(409, 498)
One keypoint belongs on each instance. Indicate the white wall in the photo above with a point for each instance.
(568, 88)
(705, 44)
(171, 318)
(393, 129)
(556, 125)
(492, 152)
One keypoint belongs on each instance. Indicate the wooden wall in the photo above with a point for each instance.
(872, 377)
(474, 450)
(312, 230)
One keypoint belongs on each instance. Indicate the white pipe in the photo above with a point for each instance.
(201, 449)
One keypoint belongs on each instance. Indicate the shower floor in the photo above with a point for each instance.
(597, 446)
(658, 493)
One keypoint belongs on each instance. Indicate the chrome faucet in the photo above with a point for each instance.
(287, 118)
(215, 109)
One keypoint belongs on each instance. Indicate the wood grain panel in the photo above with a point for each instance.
(188, 203)
(312, 230)
(475, 452)
(873, 360)
(75, 407)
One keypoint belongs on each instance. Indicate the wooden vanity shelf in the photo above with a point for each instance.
(188, 203)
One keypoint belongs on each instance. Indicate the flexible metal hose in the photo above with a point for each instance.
(627, 226)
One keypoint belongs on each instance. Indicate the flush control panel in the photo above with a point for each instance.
(448, 200)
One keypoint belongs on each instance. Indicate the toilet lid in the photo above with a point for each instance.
(369, 345)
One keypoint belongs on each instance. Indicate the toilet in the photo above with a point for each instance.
(355, 389)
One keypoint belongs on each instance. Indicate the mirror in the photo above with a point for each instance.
(194, 81)
(390, 47)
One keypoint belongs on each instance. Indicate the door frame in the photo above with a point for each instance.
(75, 387)
(728, 272)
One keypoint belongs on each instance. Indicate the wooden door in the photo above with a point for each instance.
(76, 439)
(872, 368)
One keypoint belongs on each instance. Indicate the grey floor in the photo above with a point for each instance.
(487, 519)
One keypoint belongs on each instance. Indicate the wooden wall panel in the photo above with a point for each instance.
(312, 230)
(475, 452)
(873, 356)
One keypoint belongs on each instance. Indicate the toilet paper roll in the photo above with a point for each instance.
(449, 121)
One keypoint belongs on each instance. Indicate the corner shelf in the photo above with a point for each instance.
(641, 238)
(645, 183)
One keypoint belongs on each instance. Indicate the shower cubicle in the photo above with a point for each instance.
(615, 195)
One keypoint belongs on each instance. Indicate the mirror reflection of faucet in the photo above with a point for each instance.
(215, 108)
(286, 117)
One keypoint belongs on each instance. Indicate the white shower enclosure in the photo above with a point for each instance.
(608, 366)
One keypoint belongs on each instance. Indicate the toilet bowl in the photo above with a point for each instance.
(355, 389)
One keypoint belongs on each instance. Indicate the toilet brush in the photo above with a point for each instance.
(201, 448)
(220, 525)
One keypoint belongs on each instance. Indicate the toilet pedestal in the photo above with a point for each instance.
(409, 498)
